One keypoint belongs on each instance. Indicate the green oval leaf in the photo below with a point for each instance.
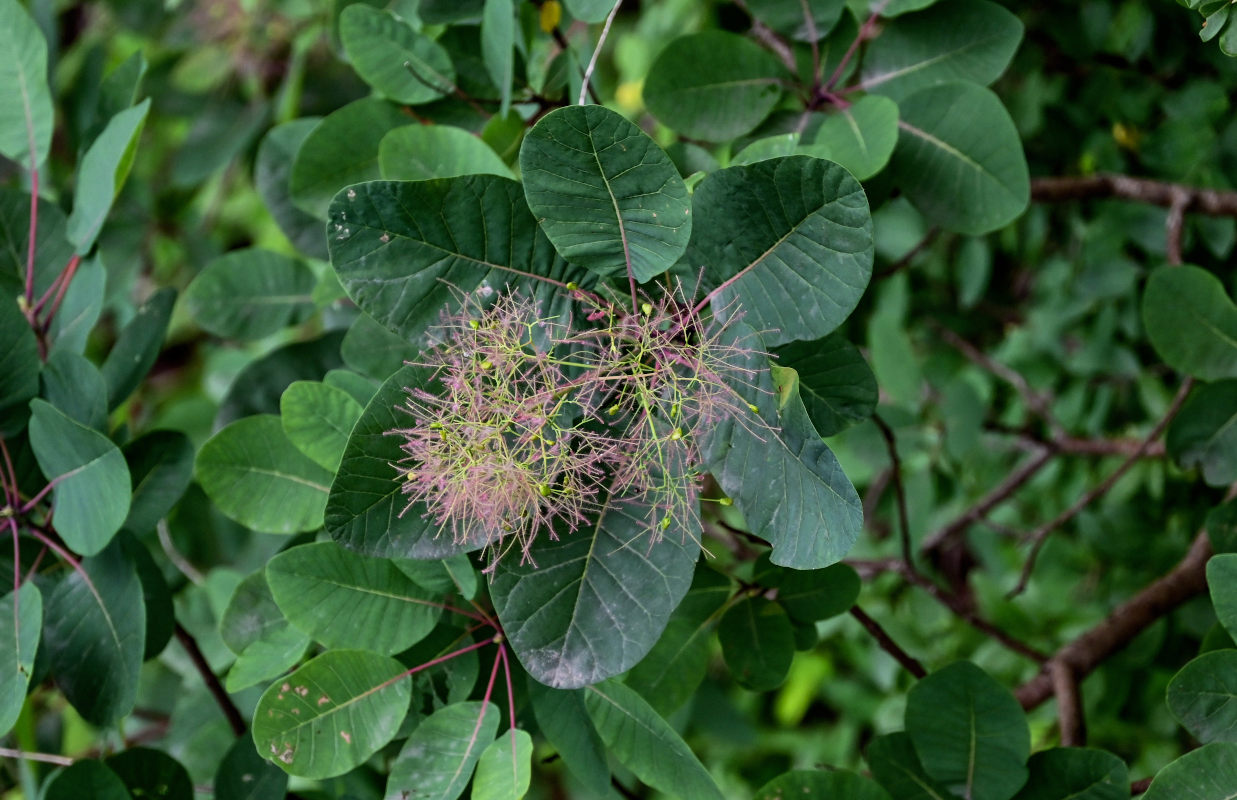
(421, 152)
(86, 778)
(592, 603)
(272, 173)
(153, 774)
(255, 476)
(835, 382)
(161, 467)
(969, 731)
(26, 119)
(404, 250)
(102, 173)
(1204, 436)
(1208, 773)
(248, 294)
(244, 775)
(791, 17)
(253, 627)
(757, 643)
(333, 713)
(1203, 696)
(1191, 322)
(76, 388)
(390, 56)
(956, 40)
(438, 758)
(343, 599)
(605, 194)
(21, 622)
(505, 769)
(317, 419)
(790, 239)
(959, 158)
(861, 137)
(896, 767)
(563, 718)
(340, 150)
(95, 635)
(137, 347)
(1222, 580)
(646, 744)
(365, 511)
(19, 368)
(812, 783)
(91, 496)
(498, 32)
(713, 85)
(811, 595)
(1076, 773)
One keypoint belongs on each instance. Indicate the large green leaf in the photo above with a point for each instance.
(21, 622)
(790, 239)
(333, 713)
(1204, 434)
(137, 346)
(317, 419)
(592, 603)
(607, 196)
(258, 387)
(272, 173)
(405, 250)
(149, 773)
(1222, 580)
(344, 599)
(95, 634)
(257, 477)
(713, 85)
(836, 785)
(83, 303)
(341, 149)
(959, 158)
(1203, 696)
(589, 10)
(251, 293)
(757, 642)
(783, 477)
(19, 368)
(405, 66)
(371, 349)
(91, 496)
(86, 778)
(366, 510)
(102, 173)
(835, 382)
(1191, 322)
(244, 775)
(811, 595)
(674, 669)
(1075, 773)
(74, 385)
(51, 250)
(861, 137)
(563, 718)
(421, 152)
(1208, 773)
(791, 17)
(896, 767)
(646, 744)
(161, 467)
(26, 117)
(438, 758)
(498, 31)
(253, 627)
(505, 769)
(969, 731)
(955, 40)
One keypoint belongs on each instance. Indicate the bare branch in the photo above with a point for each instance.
(1084, 654)
(1212, 202)
(1174, 224)
(887, 643)
(601, 41)
(1069, 704)
(1041, 534)
(229, 709)
(899, 490)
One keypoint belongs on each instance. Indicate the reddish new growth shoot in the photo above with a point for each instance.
(537, 420)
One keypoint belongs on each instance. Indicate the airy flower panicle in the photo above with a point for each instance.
(537, 419)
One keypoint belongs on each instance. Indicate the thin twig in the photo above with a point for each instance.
(1175, 223)
(235, 720)
(45, 758)
(999, 494)
(1212, 202)
(887, 643)
(592, 62)
(909, 255)
(175, 556)
(1185, 581)
(864, 32)
(1070, 716)
(1041, 534)
(904, 517)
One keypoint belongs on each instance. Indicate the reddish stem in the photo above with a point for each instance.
(502, 654)
(29, 505)
(11, 497)
(850, 51)
(66, 278)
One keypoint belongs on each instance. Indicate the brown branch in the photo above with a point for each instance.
(999, 494)
(1070, 716)
(1084, 654)
(1212, 202)
(909, 256)
(1040, 535)
(887, 643)
(895, 474)
(1141, 785)
(229, 709)
(1175, 223)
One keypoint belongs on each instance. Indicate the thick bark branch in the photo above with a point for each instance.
(235, 719)
(1084, 654)
(1142, 190)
